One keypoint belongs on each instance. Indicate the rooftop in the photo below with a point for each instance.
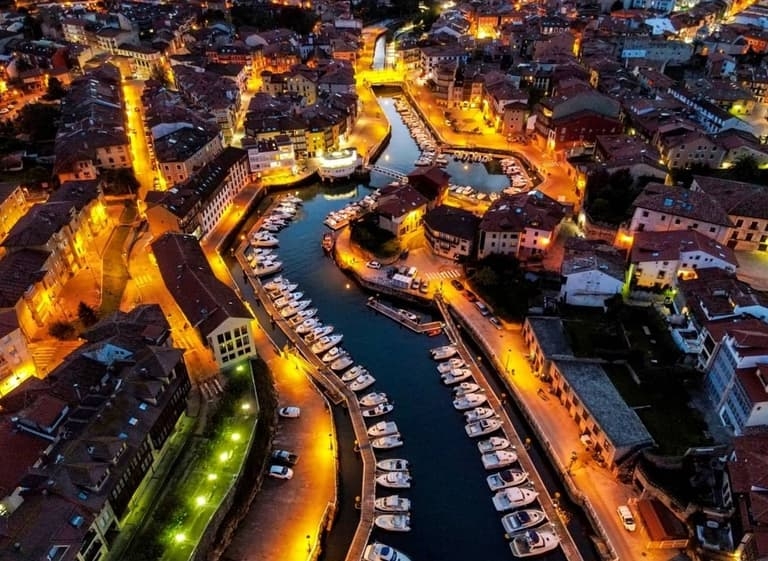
(550, 335)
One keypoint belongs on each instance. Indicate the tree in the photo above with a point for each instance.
(39, 121)
(86, 314)
(745, 169)
(159, 75)
(55, 89)
(61, 330)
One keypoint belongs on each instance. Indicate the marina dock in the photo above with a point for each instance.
(432, 327)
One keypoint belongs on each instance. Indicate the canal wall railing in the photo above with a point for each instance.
(573, 491)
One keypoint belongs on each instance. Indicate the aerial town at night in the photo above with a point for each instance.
(384, 280)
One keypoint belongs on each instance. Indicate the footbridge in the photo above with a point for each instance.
(388, 172)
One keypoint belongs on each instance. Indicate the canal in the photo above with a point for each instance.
(452, 516)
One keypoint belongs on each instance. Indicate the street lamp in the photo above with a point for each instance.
(506, 362)
(309, 543)
(330, 441)
(574, 456)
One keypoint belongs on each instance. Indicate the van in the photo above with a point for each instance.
(625, 515)
(483, 308)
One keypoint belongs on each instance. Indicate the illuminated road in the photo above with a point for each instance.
(142, 166)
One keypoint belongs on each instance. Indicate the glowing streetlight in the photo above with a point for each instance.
(200, 500)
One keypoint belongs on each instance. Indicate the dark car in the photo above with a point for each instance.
(470, 296)
(284, 457)
(455, 283)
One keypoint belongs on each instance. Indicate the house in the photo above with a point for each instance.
(658, 259)
(748, 474)
(664, 208)
(13, 205)
(181, 150)
(690, 148)
(208, 305)
(519, 225)
(746, 205)
(16, 361)
(737, 376)
(592, 271)
(600, 412)
(400, 209)
(451, 232)
(546, 340)
(431, 182)
(274, 155)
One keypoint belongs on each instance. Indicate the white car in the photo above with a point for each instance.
(280, 472)
(289, 412)
(373, 265)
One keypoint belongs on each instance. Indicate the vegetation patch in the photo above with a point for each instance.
(500, 281)
(379, 242)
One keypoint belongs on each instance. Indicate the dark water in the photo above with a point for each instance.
(452, 515)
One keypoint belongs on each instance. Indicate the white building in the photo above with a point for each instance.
(592, 271)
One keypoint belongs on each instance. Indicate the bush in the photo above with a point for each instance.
(62, 330)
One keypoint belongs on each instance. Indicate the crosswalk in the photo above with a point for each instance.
(142, 280)
(211, 388)
(452, 274)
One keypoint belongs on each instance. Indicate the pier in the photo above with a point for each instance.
(433, 327)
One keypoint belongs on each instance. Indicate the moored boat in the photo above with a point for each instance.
(333, 354)
(444, 352)
(372, 399)
(302, 315)
(392, 503)
(465, 388)
(341, 363)
(522, 520)
(382, 428)
(456, 376)
(316, 332)
(511, 498)
(377, 551)
(393, 522)
(534, 542)
(387, 442)
(354, 372)
(482, 427)
(379, 410)
(492, 444)
(498, 459)
(264, 239)
(469, 401)
(449, 365)
(478, 413)
(393, 464)
(362, 382)
(295, 307)
(506, 478)
(326, 342)
(394, 479)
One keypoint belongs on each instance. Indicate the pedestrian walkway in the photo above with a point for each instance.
(450, 274)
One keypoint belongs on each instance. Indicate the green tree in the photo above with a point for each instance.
(55, 89)
(62, 330)
(86, 314)
(159, 75)
(485, 276)
(39, 121)
(745, 169)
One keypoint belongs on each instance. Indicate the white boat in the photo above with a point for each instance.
(451, 364)
(511, 498)
(392, 503)
(506, 478)
(534, 542)
(271, 228)
(377, 551)
(492, 444)
(393, 522)
(326, 342)
(278, 292)
(387, 442)
(317, 332)
(277, 283)
(333, 354)
(302, 315)
(444, 352)
(379, 410)
(469, 401)
(466, 388)
(341, 363)
(267, 268)
(394, 479)
(308, 325)
(264, 239)
(289, 298)
(482, 427)
(456, 376)
(478, 413)
(354, 372)
(382, 428)
(522, 520)
(293, 199)
(362, 382)
(294, 307)
(498, 459)
(372, 399)
(393, 464)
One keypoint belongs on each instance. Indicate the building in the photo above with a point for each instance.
(208, 305)
(268, 156)
(658, 259)
(546, 340)
(451, 232)
(13, 205)
(400, 209)
(87, 440)
(690, 148)
(592, 400)
(197, 206)
(665, 208)
(431, 182)
(737, 376)
(592, 272)
(183, 150)
(520, 225)
(748, 473)
(16, 362)
(746, 205)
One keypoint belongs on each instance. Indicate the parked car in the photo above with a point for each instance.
(373, 265)
(455, 283)
(284, 457)
(424, 286)
(280, 472)
(470, 296)
(625, 515)
(496, 322)
(483, 308)
(289, 412)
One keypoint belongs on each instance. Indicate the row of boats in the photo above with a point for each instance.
(513, 493)
(518, 178)
(261, 251)
(421, 134)
(352, 211)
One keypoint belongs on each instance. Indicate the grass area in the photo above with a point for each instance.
(370, 237)
(115, 274)
(200, 478)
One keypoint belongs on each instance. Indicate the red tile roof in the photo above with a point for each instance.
(26, 450)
